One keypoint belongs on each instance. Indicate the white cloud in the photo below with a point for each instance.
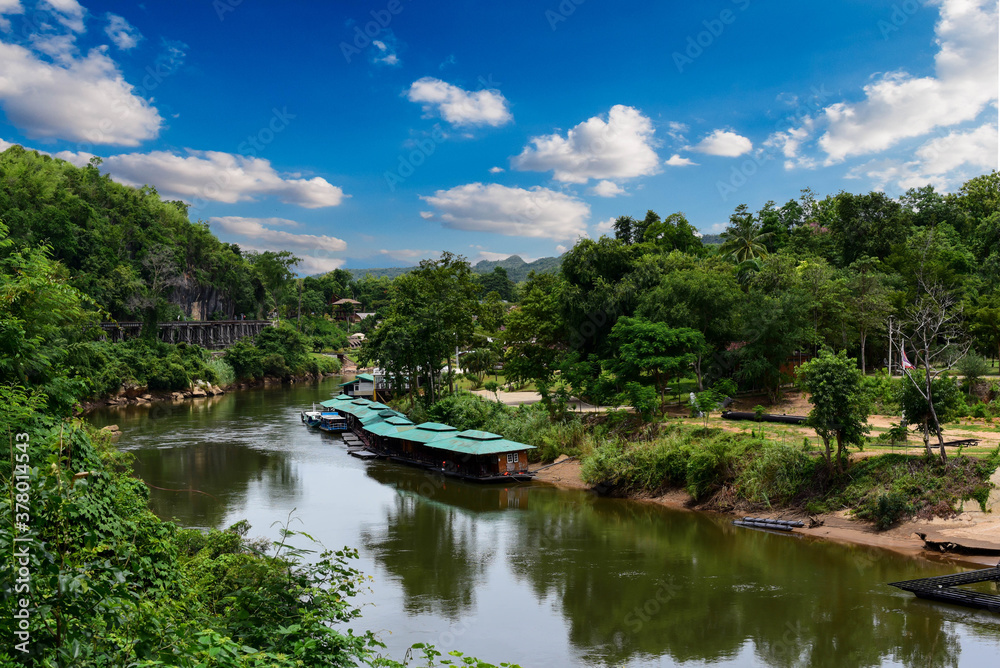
(85, 100)
(537, 213)
(605, 227)
(620, 148)
(790, 143)
(458, 106)
(69, 13)
(211, 176)
(898, 106)
(124, 35)
(607, 189)
(490, 256)
(676, 131)
(426, 215)
(723, 143)
(219, 177)
(309, 265)
(677, 161)
(256, 229)
(945, 162)
(560, 249)
(496, 170)
(410, 254)
(9, 7)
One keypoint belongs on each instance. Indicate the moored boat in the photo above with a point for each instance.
(332, 421)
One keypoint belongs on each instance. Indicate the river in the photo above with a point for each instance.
(537, 575)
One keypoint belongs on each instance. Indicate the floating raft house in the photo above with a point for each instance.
(473, 455)
(946, 588)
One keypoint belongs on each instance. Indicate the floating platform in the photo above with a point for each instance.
(945, 588)
(363, 454)
(763, 523)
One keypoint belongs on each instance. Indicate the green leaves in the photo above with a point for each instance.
(841, 404)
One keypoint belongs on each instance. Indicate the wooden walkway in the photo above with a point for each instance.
(945, 588)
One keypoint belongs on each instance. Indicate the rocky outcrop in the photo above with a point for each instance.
(199, 302)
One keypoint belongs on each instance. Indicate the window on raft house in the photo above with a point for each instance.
(512, 458)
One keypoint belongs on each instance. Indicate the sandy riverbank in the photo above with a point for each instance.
(970, 529)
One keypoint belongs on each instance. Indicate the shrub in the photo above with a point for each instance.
(168, 376)
(887, 510)
(223, 372)
(245, 359)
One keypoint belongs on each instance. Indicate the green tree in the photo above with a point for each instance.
(773, 327)
(945, 397)
(431, 312)
(744, 239)
(706, 298)
(534, 337)
(275, 271)
(936, 334)
(972, 367)
(869, 301)
(496, 281)
(866, 226)
(840, 403)
(644, 349)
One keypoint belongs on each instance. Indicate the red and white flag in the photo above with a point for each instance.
(906, 362)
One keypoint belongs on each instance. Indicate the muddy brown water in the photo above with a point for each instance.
(538, 575)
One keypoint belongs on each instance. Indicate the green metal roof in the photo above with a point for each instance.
(365, 376)
(329, 403)
(472, 442)
(370, 418)
(399, 421)
(344, 397)
(349, 407)
(427, 432)
(388, 429)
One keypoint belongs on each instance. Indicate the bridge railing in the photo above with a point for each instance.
(211, 334)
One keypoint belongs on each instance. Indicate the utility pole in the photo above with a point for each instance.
(890, 346)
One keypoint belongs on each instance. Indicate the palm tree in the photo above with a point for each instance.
(744, 239)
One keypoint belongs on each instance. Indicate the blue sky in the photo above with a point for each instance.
(378, 133)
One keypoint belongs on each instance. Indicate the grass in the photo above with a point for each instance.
(729, 470)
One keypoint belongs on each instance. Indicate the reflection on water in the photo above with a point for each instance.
(541, 576)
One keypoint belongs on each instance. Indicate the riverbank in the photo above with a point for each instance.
(139, 395)
(936, 538)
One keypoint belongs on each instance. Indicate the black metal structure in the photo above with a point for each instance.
(945, 588)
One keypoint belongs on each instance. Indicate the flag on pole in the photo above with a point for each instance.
(906, 362)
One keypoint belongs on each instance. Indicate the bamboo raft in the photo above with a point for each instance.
(763, 523)
(945, 588)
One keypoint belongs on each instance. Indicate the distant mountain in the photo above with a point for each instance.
(517, 269)
(711, 239)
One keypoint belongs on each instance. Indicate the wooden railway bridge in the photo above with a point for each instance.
(211, 334)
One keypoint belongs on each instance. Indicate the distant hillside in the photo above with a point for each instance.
(517, 269)
(711, 239)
